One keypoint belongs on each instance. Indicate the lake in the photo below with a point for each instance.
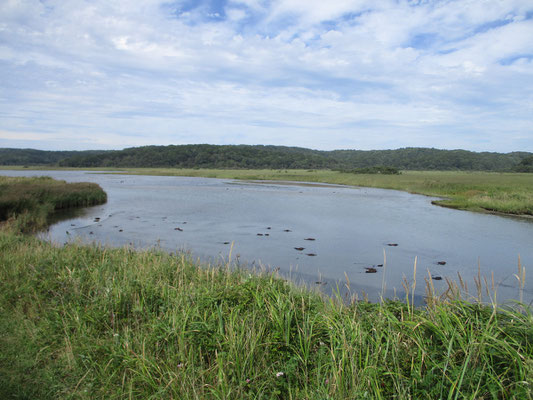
(270, 225)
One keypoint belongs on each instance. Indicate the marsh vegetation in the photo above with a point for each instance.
(28, 202)
(90, 322)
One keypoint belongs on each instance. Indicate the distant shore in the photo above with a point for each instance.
(488, 192)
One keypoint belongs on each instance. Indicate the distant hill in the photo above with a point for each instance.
(39, 157)
(416, 158)
(269, 157)
(208, 156)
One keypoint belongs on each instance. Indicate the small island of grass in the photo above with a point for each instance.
(29, 202)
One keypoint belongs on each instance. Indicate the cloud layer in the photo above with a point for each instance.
(344, 74)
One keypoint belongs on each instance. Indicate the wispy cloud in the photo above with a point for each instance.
(343, 74)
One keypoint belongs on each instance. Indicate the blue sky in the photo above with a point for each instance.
(341, 74)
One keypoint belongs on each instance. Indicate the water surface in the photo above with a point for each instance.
(263, 223)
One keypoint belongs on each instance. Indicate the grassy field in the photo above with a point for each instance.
(87, 322)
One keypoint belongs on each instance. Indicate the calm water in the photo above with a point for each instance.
(352, 228)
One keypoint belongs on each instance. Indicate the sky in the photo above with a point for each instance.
(337, 74)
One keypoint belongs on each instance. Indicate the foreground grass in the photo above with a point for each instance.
(28, 202)
(90, 322)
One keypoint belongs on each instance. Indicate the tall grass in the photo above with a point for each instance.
(92, 322)
(28, 202)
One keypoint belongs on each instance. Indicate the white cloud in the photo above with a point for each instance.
(302, 72)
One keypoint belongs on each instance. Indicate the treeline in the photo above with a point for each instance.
(39, 157)
(272, 157)
(207, 156)
(526, 165)
(279, 157)
(378, 169)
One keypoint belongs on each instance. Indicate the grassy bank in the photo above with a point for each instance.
(509, 193)
(28, 202)
(89, 322)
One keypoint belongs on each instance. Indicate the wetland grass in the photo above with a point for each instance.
(28, 202)
(92, 322)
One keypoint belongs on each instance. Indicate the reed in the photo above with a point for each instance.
(28, 202)
(93, 322)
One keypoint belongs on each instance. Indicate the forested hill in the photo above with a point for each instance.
(209, 156)
(270, 157)
(39, 157)
(279, 157)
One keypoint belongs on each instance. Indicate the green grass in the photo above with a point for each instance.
(90, 322)
(28, 202)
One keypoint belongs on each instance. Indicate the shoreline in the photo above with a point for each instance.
(495, 193)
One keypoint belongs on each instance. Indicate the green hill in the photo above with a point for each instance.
(269, 157)
(279, 157)
(39, 157)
